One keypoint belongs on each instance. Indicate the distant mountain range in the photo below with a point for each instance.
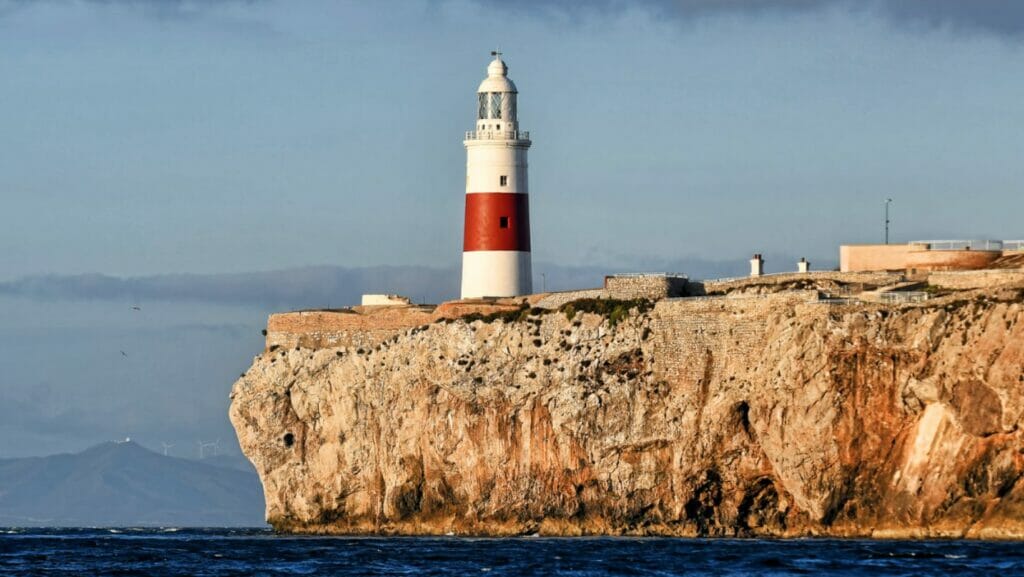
(324, 286)
(127, 485)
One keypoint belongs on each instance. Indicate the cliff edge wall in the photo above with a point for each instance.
(761, 415)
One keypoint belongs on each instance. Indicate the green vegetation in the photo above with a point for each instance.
(569, 310)
(521, 314)
(612, 309)
(935, 291)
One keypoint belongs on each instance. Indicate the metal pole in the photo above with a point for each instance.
(887, 202)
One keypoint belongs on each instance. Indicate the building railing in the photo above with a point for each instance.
(959, 244)
(832, 301)
(903, 297)
(1013, 245)
(809, 274)
(497, 135)
(812, 296)
(645, 274)
(748, 277)
(721, 297)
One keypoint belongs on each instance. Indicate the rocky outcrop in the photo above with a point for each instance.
(763, 415)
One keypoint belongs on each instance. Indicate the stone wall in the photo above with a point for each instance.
(342, 328)
(556, 300)
(699, 318)
(975, 279)
(366, 327)
(694, 338)
(739, 284)
(456, 309)
(645, 286)
(623, 287)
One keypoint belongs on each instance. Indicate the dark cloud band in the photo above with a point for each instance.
(1002, 17)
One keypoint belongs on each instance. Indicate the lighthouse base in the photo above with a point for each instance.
(496, 273)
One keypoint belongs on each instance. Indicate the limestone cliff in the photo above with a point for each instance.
(762, 415)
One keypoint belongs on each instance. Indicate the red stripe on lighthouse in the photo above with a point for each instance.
(497, 221)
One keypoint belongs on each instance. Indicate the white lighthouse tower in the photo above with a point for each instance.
(496, 244)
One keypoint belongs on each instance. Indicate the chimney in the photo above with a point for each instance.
(757, 265)
(803, 265)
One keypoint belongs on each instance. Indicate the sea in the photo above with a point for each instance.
(173, 551)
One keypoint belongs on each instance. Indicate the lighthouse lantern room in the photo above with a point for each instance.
(496, 243)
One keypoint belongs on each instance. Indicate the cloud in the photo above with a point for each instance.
(169, 9)
(999, 17)
(672, 8)
(1005, 17)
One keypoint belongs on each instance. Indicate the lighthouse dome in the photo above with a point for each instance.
(497, 78)
(497, 67)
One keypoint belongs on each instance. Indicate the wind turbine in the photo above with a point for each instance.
(166, 446)
(203, 445)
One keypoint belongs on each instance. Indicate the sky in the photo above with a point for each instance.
(212, 162)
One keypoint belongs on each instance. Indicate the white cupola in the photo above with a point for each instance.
(496, 100)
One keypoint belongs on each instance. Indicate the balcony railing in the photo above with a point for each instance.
(959, 244)
(497, 135)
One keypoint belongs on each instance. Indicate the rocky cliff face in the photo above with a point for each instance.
(751, 416)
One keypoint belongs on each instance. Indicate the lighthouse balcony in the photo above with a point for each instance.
(498, 135)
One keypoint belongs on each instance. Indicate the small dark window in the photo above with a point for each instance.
(503, 221)
(504, 180)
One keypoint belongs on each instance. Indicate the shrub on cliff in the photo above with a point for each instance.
(612, 309)
(521, 314)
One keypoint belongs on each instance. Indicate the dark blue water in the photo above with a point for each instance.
(251, 552)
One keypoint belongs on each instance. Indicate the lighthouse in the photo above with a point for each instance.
(496, 242)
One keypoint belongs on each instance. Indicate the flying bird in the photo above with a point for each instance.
(124, 354)
(136, 308)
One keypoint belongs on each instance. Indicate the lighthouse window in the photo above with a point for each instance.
(481, 112)
(504, 180)
(495, 105)
(503, 222)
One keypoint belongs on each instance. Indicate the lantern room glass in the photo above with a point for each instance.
(496, 106)
(495, 111)
(481, 112)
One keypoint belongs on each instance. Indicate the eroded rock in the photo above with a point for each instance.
(719, 417)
